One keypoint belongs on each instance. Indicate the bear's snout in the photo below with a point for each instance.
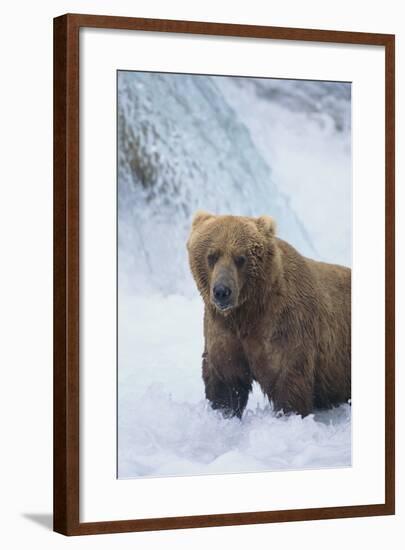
(222, 294)
(224, 286)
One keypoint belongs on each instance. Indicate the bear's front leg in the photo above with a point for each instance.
(225, 371)
(229, 396)
(293, 390)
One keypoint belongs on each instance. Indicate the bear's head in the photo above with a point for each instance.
(231, 258)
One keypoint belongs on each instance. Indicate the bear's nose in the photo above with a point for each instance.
(222, 293)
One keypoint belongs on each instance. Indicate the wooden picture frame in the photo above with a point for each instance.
(67, 283)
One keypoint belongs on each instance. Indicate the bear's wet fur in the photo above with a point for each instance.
(271, 315)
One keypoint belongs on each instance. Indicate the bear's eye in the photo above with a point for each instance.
(212, 259)
(240, 261)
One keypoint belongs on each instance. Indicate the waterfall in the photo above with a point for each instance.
(184, 143)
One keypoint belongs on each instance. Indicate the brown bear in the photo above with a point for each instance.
(271, 315)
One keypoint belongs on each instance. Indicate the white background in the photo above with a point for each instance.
(26, 289)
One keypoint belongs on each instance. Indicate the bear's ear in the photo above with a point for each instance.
(267, 224)
(200, 216)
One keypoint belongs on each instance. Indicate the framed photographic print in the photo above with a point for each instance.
(223, 274)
